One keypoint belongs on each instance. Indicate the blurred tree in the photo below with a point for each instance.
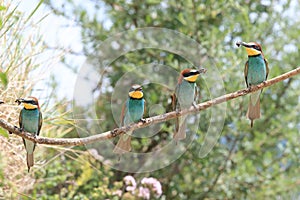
(262, 162)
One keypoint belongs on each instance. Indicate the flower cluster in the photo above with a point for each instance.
(148, 188)
(130, 183)
(153, 184)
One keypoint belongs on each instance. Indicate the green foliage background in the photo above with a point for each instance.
(262, 162)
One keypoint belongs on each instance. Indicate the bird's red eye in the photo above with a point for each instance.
(257, 47)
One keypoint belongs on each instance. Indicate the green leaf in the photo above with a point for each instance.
(3, 132)
(3, 79)
(153, 2)
(2, 8)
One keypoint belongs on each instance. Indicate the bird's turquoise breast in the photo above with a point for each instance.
(30, 120)
(135, 110)
(185, 94)
(256, 70)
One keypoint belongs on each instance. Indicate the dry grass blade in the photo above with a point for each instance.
(20, 44)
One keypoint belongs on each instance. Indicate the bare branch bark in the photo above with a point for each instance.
(149, 121)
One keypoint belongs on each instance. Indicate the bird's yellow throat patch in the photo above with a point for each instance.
(136, 94)
(191, 78)
(252, 52)
(29, 106)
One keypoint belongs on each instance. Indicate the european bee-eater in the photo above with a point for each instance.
(132, 111)
(184, 97)
(256, 71)
(30, 120)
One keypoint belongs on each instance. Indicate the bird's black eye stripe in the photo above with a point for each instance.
(190, 73)
(31, 102)
(136, 89)
(256, 47)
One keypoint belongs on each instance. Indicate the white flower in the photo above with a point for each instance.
(130, 183)
(153, 184)
(144, 193)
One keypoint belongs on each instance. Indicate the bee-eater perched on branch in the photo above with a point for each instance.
(184, 97)
(132, 111)
(256, 71)
(30, 120)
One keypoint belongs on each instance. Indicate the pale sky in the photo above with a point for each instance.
(56, 31)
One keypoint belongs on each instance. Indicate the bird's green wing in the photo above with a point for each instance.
(21, 125)
(175, 104)
(197, 94)
(124, 110)
(145, 103)
(174, 107)
(267, 68)
(246, 72)
(20, 119)
(174, 101)
(40, 122)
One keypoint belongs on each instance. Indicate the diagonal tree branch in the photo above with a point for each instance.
(149, 121)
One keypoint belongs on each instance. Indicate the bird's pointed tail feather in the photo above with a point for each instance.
(30, 161)
(254, 107)
(123, 145)
(180, 132)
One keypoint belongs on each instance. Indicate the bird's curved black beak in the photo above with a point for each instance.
(202, 70)
(238, 44)
(2, 102)
(139, 89)
(19, 101)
